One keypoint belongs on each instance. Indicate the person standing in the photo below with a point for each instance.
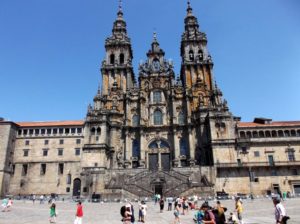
(4, 204)
(220, 213)
(280, 212)
(143, 211)
(42, 199)
(209, 217)
(52, 218)
(169, 200)
(239, 209)
(79, 214)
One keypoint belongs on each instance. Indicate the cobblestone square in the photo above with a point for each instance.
(256, 212)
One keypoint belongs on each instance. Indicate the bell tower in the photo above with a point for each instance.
(196, 69)
(116, 69)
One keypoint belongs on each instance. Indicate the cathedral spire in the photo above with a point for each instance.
(189, 8)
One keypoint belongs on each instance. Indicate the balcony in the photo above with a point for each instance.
(257, 164)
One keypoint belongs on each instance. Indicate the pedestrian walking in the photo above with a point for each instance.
(79, 214)
(161, 204)
(176, 214)
(52, 218)
(239, 209)
(280, 212)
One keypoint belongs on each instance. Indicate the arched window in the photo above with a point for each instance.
(98, 131)
(191, 55)
(242, 134)
(261, 134)
(112, 59)
(249, 135)
(181, 118)
(268, 134)
(155, 64)
(200, 54)
(158, 117)
(136, 148)
(93, 130)
(121, 58)
(156, 97)
(135, 120)
(183, 147)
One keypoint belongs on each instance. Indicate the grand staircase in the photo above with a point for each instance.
(145, 182)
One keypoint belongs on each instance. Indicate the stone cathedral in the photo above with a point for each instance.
(155, 134)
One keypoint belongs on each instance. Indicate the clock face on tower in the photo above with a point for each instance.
(155, 65)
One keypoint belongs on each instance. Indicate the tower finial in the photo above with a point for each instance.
(189, 8)
(120, 5)
(154, 36)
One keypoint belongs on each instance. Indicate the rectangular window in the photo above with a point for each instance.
(31, 131)
(25, 131)
(43, 169)
(60, 168)
(79, 130)
(27, 142)
(19, 132)
(49, 131)
(294, 172)
(271, 160)
(43, 131)
(67, 130)
(61, 141)
(46, 142)
(37, 131)
(60, 152)
(13, 168)
(67, 189)
(78, 141)
(61, 130)
(73, 130)
(54, 131)
(45, 152)
(77, 151)
(157, 97)
(24, 169)
(256, 153)
(273, 172)
(291, 155)
(85, 189)
(25, 152)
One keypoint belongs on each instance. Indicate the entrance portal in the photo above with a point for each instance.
(76, 187)
(153, 162)
(158, 189)
(165, 161)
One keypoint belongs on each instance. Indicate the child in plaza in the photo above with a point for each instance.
(52, 218)
(4, 204)
(9, 204)
(79, 214)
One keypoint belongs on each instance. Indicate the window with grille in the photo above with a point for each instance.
(158, 117)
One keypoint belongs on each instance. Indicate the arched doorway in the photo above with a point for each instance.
(76, 187)
(159, 155)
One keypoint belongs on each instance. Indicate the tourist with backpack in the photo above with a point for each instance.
(209, 217)
(198, 217)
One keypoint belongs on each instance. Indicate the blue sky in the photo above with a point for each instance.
(50, 52)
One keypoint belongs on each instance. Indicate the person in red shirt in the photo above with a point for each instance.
(79, 214)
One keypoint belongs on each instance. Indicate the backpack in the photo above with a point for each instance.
(123, 210)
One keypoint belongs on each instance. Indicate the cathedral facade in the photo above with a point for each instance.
(157, 134)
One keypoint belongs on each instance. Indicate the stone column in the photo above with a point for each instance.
(176, 150)
(191, 146)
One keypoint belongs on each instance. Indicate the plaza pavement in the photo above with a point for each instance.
(258, 211)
